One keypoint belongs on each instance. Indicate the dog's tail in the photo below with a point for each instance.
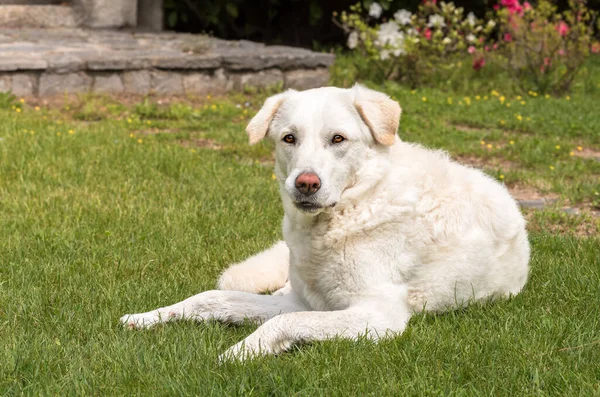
(267, 271)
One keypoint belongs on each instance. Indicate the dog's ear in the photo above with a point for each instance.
(259, 125)
(379, 112)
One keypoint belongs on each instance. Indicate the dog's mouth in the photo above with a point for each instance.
(307, 206)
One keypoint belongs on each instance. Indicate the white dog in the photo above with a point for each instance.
(375, 229)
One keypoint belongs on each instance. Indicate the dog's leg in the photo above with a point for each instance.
(226, 306)
(373, 318)
(266, 271)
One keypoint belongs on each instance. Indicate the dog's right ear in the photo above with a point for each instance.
(259, 125)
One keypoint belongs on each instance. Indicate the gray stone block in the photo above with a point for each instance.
(24, 84)
(110, 13)
(64, 63)
(162, 82)
(303, 79)
(4, 83)
(137, 82)
(20, 62)
(207, 83)
(55, 83)
(191, 61)
(108, 83)
(262, 79)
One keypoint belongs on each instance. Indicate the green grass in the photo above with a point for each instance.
(132, 211)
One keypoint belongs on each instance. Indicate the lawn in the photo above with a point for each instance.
(112, 206)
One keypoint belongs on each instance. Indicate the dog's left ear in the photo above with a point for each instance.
(259, 125)
(379, 112)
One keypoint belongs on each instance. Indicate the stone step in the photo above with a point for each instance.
(56, 61)
(37, 16)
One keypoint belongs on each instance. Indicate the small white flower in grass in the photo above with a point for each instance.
(436, 21)
(471, 20)
(352, 40)
(403, 17)
(471, 38)
(375, 10)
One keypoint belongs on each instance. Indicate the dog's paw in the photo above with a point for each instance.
(241, 352)
(141, 320)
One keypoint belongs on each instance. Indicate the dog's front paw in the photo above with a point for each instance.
(243, 351)
(141, 320)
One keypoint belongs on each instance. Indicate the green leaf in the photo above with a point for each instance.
(172, 19)
(232, 10)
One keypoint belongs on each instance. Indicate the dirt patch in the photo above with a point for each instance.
(201, 143)
(469, 129)
(587, 153)
(585, 224)
(481, 163)
(528, 193)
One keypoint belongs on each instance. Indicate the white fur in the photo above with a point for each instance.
(395, 229)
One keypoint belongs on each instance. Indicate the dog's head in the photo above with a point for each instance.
(324, 138)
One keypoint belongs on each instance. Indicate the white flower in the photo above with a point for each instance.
(390, 37)
(436, 21)
(491, 23)
(352, 40)
(447, 40)
(471, 20)
(471, 38)
(375, 10)
(402, 17)
(384, 54)
(412, 32)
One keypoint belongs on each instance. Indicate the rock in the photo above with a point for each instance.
(162, 82)
(14, 63)
(54, 83)
(110, 13)
(303, 79)
(262, 79)
(207, 83)
(537, 204)
(137, 82)
(108, 83)
(191, 61)
(5, 83)
(24, 84)
(41, 16)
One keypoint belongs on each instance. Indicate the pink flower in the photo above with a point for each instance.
(547, 61)
(478, 63)
(486, 48)
(562, 28)
(561, 52)
(428, 34)
(496, 7)
(507, 37)
(495, 46)
(527, 6)
(471, 49)
(596, 48)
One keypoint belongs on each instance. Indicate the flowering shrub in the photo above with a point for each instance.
(538, 47)
(543, 49)
(415, 47)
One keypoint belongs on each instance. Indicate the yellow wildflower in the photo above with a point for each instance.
(213, 107)
(139, 141)
(37, 108)
(449, 101)
(495, 93)
(485, 98)
(193, 150)
(508, 105)
(512, 142)
(557, 147)
(502, 99)
(129, 121)
(22, 100)
(571, 154)
(18, 110)
(32, 132)
(131, 135)
(467, 100)
(519, 117)
(502, 122)
(519, 97)
(477, 97)
(501, 176)
(482, 142)
(522, 102)
(551, 168)
(424, 99)
(547, 96)
(71, 132)
(568, 98)
(489, 146)
(208, 97)
(579, 148)
(273, 176)
(58, 134)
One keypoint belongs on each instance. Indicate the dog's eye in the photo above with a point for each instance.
(289, 138)
(337, 139)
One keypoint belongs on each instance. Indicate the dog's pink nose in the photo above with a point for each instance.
(308, 183)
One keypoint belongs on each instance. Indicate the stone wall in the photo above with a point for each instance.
(44, 63)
